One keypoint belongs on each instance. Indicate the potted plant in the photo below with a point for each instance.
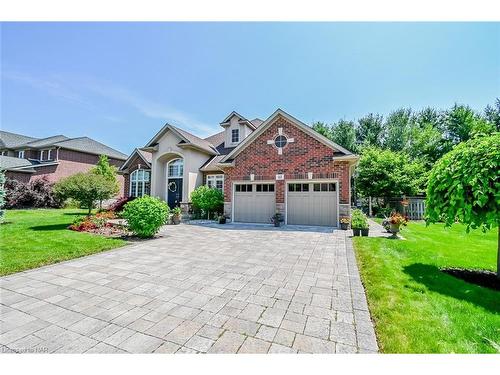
(365, 229)
(396, 221)
(344, 222)
(222, 219)
(276, 219)
(358, 222)
(176, 215)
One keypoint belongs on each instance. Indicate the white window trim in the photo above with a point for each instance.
(168, 168)
(215, 177)
(20, 154)
(143, 184)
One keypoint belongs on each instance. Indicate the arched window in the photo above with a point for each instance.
(176, 168)
(140, 183)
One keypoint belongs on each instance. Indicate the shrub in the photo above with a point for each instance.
(34, 194)
(86, 188)
(146, 215)
(358, 220)
(207, 199)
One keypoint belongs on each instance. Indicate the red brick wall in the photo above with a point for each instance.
(22, 177)
(133, 165)
(69, 163)
(305, 154)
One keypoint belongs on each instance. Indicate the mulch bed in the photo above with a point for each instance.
(488, 279)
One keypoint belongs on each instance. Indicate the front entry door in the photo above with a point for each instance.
(174, 192)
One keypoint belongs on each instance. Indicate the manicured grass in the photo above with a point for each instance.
(419, 309)
(33, 238)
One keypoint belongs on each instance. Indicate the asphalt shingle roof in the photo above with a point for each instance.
(13, 140)
(44, 142)
(197, 141)
(10, 163)
(86, 144)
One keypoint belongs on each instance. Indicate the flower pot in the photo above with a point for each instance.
(394, 229)
(344, 226)
(176, 219)
(222, 220)
(364, 232)
(276, 223)
(356, 232)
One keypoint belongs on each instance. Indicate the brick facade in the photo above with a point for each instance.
(69, 163)
(19, 176)
(305, 154)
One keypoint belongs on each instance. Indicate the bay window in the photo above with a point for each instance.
(140, 183)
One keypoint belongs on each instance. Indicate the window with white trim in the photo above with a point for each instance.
(20, 154)
(235, 135)
(216, 181)
(176, 168)
(46, 155)
(140, 183)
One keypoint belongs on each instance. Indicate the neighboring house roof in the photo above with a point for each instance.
(45, 142)
(82, 144)
(10, 163)
(144, 155)
(345, 154)
(187, 139)
(256, 122)
(91, 146)
(13, 140)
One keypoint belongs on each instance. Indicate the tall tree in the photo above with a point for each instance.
(425, 140)
(492, 114)
(322, 129)
(398, 129)
(461, 123)
(344, 134)
(370, 130)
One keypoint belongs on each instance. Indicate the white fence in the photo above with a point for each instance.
(416, 208)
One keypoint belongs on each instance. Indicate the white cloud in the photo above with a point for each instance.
(73, 89)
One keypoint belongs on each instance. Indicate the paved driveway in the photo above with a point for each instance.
(215, 289)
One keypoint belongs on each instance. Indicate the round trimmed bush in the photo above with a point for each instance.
(146, 215)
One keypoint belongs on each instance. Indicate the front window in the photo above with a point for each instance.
(176, 168)
(235, 135)
(20, 154)
(46, 155)
(140, 183)
(216, 181)
(280, 141)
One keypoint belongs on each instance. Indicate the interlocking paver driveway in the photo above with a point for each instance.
(199, 288)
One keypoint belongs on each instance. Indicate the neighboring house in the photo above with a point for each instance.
(263, 167)
(25, 158)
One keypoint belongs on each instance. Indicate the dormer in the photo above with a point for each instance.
(237, 128)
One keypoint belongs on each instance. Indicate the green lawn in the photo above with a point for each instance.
(419, 309)
(33, 238)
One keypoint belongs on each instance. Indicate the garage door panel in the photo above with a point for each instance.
(255, 206)
(312, 207)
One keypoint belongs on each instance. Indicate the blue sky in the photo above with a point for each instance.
(120, 82)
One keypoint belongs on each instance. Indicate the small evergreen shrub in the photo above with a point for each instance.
(146, 215)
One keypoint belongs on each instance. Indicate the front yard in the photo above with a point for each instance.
(33, 238)
(419, 309)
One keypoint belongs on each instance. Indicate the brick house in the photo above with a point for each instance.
(263, 167)
(26, 158)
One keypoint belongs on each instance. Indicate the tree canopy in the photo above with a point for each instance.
(464, 186)
(86, 188)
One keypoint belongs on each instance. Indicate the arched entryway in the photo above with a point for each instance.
(175, 174)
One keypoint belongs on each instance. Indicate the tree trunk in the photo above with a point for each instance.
(370, 206)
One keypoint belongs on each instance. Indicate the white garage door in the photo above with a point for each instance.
(254, 203)
(312, 204)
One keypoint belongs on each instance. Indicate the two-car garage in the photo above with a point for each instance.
(307, 203)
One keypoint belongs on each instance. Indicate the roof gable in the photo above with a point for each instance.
(299, 124)
(145, 156)
(187, 138)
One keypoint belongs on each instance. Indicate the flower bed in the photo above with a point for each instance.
(99, 224)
